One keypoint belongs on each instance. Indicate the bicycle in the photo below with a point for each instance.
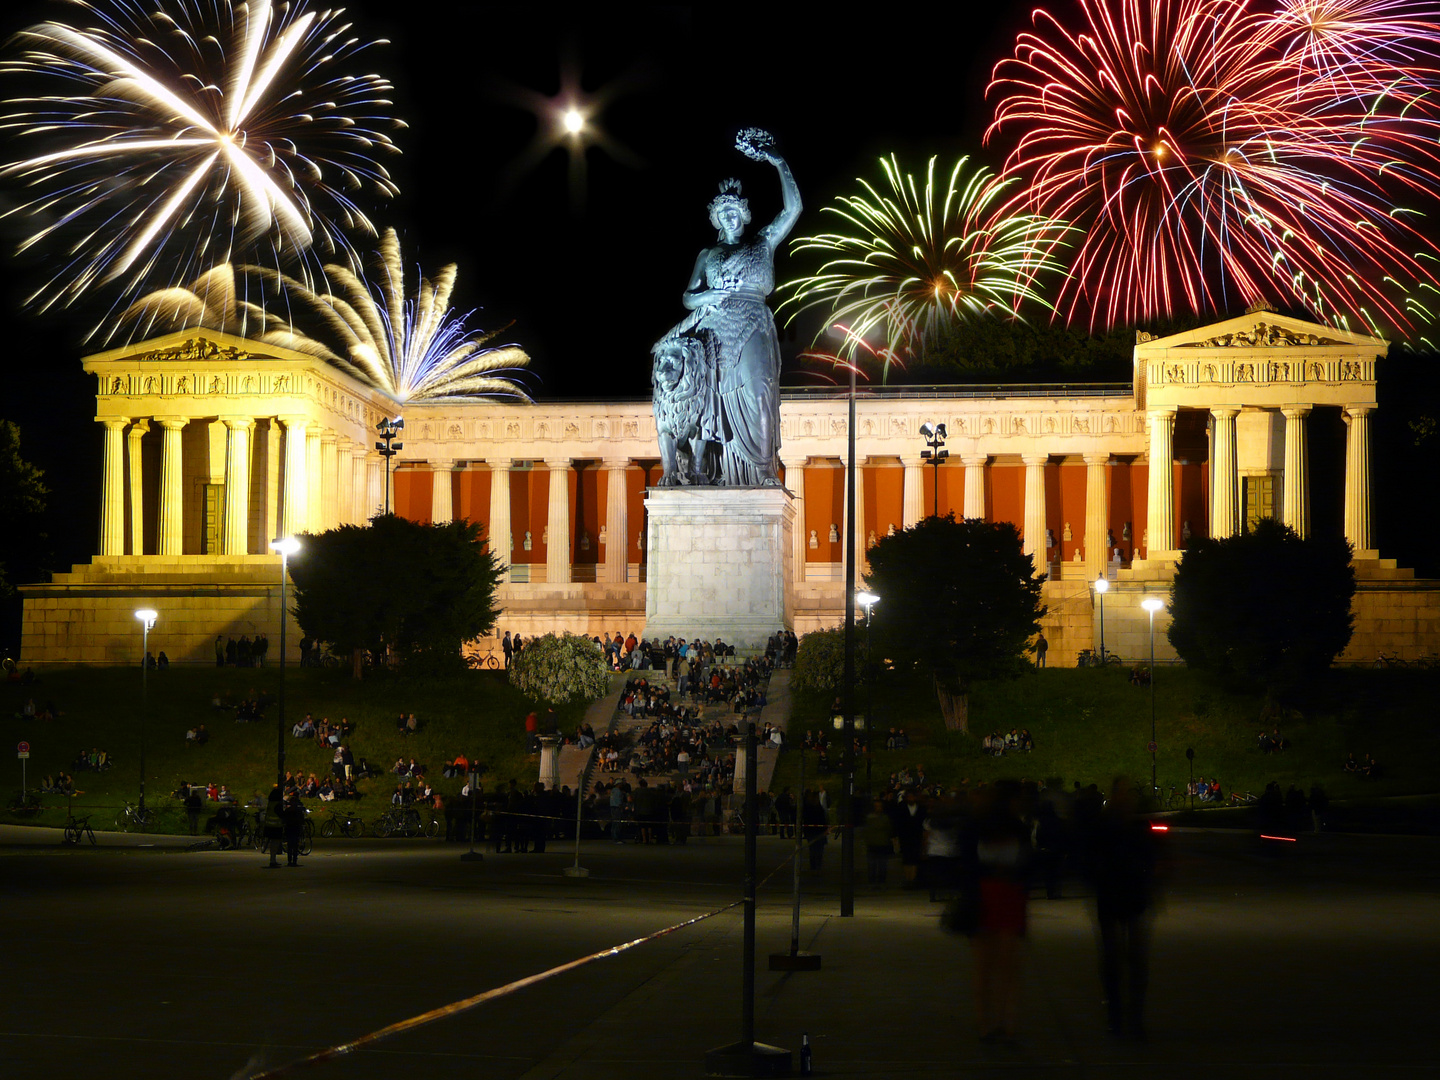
(1093, 658)
(404, 820)
(75, 828)
(346, 823)
(131, 818)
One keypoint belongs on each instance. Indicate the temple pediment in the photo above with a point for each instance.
(1261, 359)
(188, 346)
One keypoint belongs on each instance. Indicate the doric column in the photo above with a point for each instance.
(329, 481)
(1034, 531)
(137, 486)
(344, 482)
(236, 538)
(295, 517)
(1160, 515)
(1224, 476)
(374, 485)
(112, 490)
(617, 525)
(557, 551)
(800, 541)
(1296, 506)
(270, 518)
(498, 533)
(171, 524)
(360, 508)
(1097, 514)
(314, 506)
(1357, 480)
(912, 508)
(442, 508)
(974, 485)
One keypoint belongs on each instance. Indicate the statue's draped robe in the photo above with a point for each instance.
(748, 359)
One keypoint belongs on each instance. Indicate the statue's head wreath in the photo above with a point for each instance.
(729, 196)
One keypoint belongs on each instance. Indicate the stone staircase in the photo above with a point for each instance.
(606, 715)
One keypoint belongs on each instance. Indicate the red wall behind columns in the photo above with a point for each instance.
(1070, 507)
(472, 498)
(413, 493)
(588, 484)
(1192, 491)
(824, 506)
(1006, 500)
(884, 498)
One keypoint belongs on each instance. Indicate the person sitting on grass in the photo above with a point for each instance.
(1351, 765)
(305, 728)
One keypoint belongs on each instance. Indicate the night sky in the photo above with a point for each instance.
(590, 287)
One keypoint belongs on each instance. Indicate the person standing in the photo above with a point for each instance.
(879, 836)
(274, 823)
(219, 651)
(1123, 866)
(998, 856)
(294, 818)
(508, 648)
(815, 823)
(1041, 648)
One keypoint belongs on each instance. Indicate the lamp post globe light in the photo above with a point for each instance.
(285, 546)
(1102, 586)
(1152, 604)
(934, 436)
(147, 617)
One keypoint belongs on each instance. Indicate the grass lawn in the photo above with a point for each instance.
(1092, 725)
(477, 713)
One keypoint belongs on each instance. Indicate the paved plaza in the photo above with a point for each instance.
(126, 961)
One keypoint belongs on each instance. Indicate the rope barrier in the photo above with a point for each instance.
(466, 1004)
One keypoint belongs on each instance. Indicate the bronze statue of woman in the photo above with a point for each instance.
(726, 296)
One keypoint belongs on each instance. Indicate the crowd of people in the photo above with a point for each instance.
(246, 652)
(1012, 742)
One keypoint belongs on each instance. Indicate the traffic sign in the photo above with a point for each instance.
(1153, 747)
(23, 749)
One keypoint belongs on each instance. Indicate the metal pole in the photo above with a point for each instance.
(1153, 787)
(847, 799)
(1102, 625)
(144, 707)
(280, 730)
(747, 1020)
(799, 851)
(577, 870)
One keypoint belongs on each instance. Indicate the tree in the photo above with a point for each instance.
(820, 660)
(959, 599)
(1265, 605)
(561, 668)
(22, 503)
(418, 592)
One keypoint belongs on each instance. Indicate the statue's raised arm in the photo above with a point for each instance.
(760, 146)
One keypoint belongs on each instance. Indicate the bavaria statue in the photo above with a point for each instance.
(717, 374)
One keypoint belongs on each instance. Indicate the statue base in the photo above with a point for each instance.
(720, 562)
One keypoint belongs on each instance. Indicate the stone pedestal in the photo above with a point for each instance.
(550, 762)
(720, 563)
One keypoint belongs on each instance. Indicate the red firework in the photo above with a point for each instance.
(1213, 155)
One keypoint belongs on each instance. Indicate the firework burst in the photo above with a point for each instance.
(914, 257)
(1212, 156)
(410, 347)
(176, 137)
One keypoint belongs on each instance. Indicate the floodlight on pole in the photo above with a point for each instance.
(389, 429)
(934, 436)
(284, 546)
(1152, 604)
(147, 617)
(1102, 586)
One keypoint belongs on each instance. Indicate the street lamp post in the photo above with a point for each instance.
(147, 617)
(389, 428)
(1152, 604)
(1102, 586)
(934, 436)
(286, 546)
(868, 600)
